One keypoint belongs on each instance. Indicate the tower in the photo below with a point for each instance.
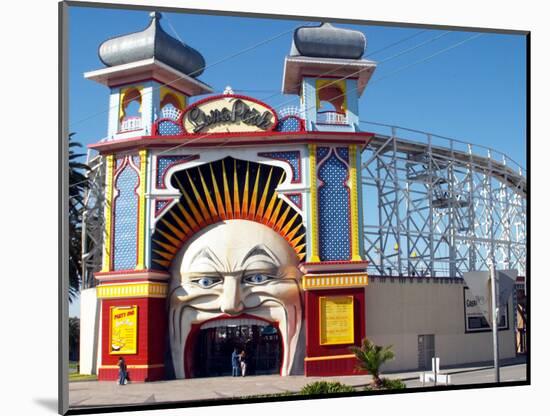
(150, 76)
(325, 68)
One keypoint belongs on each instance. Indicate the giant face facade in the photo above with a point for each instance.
(235, 276)
(234, 269)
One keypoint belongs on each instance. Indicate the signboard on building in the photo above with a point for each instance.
(475, 319)
(229, 114)
(336, 320)
(123, 331)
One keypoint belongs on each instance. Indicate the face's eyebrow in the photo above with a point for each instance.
(206, 253)
(261, 250)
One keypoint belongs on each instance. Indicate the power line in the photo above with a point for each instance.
(342, 78)
(241, 52)
(343, 94)
(395, 43)
(427, 58)
(414, 47)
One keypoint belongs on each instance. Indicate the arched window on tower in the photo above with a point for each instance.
(130, 110)
(171, 107)
(331, 101)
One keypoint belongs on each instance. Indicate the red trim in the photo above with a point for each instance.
(268, 155)
(195, 328)
(222, 96)
(246, 139)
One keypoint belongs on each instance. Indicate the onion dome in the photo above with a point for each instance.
(153, 42)
(327, 41)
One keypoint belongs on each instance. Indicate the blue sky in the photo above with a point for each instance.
(474, 92)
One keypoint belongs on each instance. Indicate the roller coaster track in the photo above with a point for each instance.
(437, 206)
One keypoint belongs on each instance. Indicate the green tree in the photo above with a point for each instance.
(74, 336)
(78, 184)
(370, 357)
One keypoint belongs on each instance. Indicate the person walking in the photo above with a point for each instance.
(235, 362)
(122, 375)
(243, 363)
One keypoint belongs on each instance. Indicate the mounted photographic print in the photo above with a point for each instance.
(283, 208)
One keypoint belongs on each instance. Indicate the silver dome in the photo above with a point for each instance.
(327, 41)
(153, 42)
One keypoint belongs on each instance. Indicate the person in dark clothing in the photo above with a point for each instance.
(235, 362)
(122, 375)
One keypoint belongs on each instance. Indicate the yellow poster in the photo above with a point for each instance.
(123, 330)
(336, 320)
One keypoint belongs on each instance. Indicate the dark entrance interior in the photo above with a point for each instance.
(262, 346)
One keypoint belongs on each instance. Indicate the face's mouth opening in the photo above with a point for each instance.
(214, 341)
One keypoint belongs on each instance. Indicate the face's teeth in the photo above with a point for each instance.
(219, 323)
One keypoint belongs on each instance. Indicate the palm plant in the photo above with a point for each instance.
(371, 357)
(78, 183)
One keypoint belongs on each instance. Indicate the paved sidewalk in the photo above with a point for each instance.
(105, 393)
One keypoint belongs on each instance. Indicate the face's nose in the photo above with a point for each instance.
(232, 296)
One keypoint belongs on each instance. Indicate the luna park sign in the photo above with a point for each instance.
(229, 114)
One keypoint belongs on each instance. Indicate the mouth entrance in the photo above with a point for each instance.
(217, 339)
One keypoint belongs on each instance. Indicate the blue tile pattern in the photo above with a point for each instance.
(126, 214)
(160, 204)
(288, 124)
(343, 152)
(163, 163)
(322, 152)
(334, 211)
(292, 158)
(297, 199)
(169, 128)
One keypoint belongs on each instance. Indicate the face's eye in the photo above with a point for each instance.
(257, 278)
(206, 281)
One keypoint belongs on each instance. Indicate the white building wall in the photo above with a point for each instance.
(89, 329)
(399, 311)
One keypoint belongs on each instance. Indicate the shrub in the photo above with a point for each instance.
(324, 387)
(387, 384)
(393, 384)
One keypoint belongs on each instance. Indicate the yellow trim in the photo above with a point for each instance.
(334, 281)
(355, 255)
(135, 367)
(123, 92)
(110, 161)
(329, 357)
(324, 333)
(180, 97)
(313, 208)
(141, 228)
(133, 290)
(325, 83)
